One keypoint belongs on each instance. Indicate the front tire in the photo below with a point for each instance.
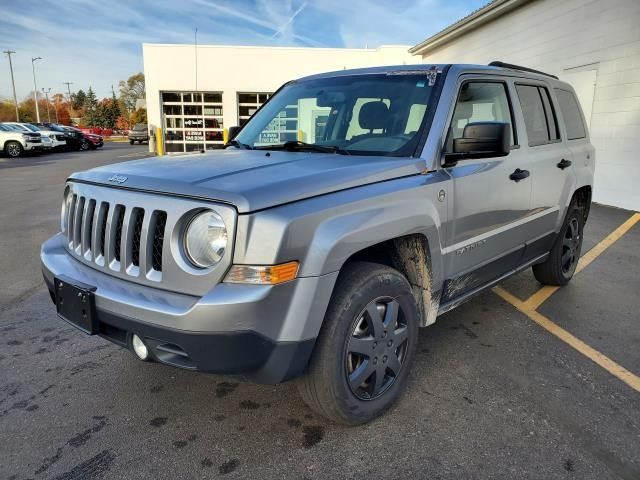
(84, 146)
(131, 142)
(366, 345)
(13, 149)
(563, 258)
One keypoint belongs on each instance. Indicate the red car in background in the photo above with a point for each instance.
(87, 140)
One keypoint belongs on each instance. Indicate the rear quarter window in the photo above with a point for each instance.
(571, 113)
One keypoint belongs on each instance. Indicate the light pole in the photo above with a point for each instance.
(46, 95)
(35, 87)
(13, 83)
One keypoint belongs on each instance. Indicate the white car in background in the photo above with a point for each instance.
(14, 142)
(50, 139)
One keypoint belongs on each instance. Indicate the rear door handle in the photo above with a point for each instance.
(563, 164)
(519, 175)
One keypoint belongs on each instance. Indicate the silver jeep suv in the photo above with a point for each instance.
(353, 208)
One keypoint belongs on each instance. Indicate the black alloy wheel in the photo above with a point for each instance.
(571, 247)
(377, 348)
(362, 357)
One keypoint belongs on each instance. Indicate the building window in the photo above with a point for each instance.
(248, 104)
(192, 121)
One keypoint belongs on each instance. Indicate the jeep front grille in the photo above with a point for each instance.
(136, 236)
(158, 240)
(113, 235)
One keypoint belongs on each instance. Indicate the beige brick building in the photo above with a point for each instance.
(593, 44)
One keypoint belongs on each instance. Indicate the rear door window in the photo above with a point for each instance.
(538, 113)
(571, 114)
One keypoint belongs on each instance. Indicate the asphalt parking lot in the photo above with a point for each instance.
(495, 393)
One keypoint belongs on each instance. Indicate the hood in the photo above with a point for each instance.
(252, 179)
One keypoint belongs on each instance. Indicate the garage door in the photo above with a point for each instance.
(192, 121)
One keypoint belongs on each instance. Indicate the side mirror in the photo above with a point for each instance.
(482, 140)
(233, 131)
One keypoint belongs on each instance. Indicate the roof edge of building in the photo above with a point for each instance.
(278, 47)
(488, 13)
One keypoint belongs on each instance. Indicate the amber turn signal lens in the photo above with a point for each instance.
(262, 275)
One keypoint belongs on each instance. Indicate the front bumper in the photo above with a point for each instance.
(263, 333)
(31, 146)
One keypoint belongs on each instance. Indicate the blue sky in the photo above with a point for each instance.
(99, 43)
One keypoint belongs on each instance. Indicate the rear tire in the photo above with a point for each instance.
(13, 149)
(563, 258)
(363, 354)
(131, 142)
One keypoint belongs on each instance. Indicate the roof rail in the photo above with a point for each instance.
(518, 67)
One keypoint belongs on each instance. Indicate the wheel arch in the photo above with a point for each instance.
(411, 256)
(582, 198)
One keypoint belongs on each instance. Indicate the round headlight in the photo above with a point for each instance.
(205, 239)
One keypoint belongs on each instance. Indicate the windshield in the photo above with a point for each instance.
(34, 128)
(17, 127)
(140, 127)
(366, 114)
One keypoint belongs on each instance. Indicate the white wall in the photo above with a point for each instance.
(232, 69)
(568, 37)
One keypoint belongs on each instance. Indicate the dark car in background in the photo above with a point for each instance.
(79, 140)
(139, 133)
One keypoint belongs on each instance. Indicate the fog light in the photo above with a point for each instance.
(139, 347)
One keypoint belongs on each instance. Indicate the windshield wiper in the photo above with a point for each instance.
(235, 143)
(297, 145)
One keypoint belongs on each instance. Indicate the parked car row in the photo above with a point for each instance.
(17, 138)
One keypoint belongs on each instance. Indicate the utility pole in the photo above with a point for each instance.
(68, 89)
(13, 83)
(35, 87)
(46, 95)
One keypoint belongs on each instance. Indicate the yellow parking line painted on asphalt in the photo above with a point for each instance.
(605, 362)
(538, 298)
(592, 254)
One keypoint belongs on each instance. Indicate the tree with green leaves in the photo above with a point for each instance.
(78, 99)
(90, 108)
(114, 110)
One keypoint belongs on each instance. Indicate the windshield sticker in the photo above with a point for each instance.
(432, 75)
(420, 84)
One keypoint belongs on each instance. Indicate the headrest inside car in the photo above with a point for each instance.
(373, 115)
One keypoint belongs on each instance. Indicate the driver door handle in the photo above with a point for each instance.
(563, 164)
(519, 175)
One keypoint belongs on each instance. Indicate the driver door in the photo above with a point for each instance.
(484, 239)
